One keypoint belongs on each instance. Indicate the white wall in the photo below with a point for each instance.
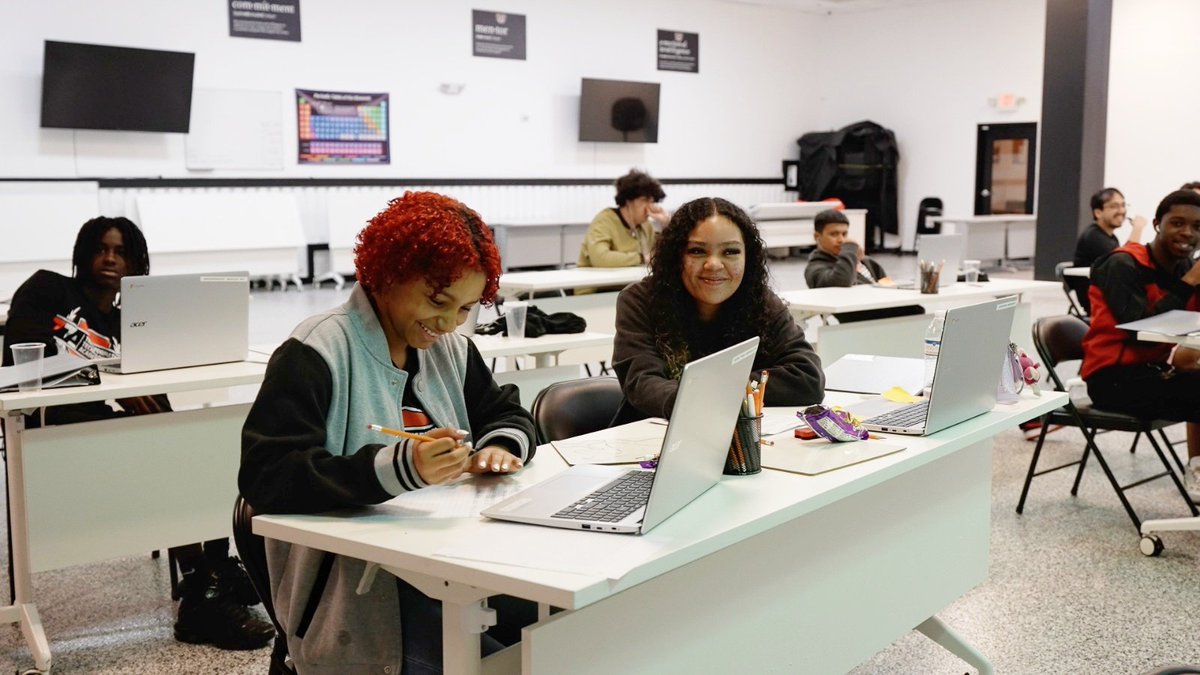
(515, 119)
(926, 72)
(1153, 146)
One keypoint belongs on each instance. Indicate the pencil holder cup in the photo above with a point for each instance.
(745, 457)
(929, 281)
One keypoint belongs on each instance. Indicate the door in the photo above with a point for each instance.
(1005, 157)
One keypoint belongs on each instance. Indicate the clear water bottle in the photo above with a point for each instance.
(933, 345)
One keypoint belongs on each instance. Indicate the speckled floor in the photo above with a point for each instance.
(1068, 591)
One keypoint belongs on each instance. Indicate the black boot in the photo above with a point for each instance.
(210, 614)
(232, 575)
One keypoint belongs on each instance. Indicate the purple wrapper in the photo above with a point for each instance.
(833, 424)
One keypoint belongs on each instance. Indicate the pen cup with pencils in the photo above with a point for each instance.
(930, 276)
(745, 457)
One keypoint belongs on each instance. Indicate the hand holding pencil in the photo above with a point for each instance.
(439, 455)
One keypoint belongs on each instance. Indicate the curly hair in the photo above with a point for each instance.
(428, 236)
(87, 242)
(742, 316)
(638, 184)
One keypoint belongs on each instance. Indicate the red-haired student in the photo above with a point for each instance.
(388, 356)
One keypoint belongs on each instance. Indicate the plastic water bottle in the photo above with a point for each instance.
(933, 345)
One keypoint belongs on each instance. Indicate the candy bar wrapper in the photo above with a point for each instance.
(833, 424)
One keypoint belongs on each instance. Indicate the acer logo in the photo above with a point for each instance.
(137, 324)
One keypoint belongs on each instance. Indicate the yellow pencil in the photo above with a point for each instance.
(401, 433)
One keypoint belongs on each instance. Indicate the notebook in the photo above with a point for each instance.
(974, 345)
(935, 248)
(181, 320)
(1173, 322)
(632, 501)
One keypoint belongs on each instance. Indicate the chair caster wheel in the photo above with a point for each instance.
(1151, 545)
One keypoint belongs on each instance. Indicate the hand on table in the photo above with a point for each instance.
(1187, 360)
(494, 459)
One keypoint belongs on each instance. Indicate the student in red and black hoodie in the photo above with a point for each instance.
(1136, 281)
(81, 315)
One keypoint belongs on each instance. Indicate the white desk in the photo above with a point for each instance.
(533, 244)
(1000, 237)
(899, 336)
(516, 284)
(98, 490)
(546, 351)
(773, 572)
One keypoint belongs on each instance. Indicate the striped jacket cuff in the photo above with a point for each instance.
(396, 470)
(513, 439)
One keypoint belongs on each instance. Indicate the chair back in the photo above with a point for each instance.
(253, 551)
(1075, 288)
(929, 206)
(575, 407)
(1058, 339)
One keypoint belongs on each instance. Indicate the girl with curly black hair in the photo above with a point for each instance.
(707, 289)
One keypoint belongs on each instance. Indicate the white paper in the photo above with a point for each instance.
(464, 498)
(545, 548)
(627, 444)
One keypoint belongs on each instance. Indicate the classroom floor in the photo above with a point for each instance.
(1068, 591)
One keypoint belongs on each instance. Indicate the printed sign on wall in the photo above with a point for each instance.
(497, 35)
(265, 19)
(678, 51)
(342, 127)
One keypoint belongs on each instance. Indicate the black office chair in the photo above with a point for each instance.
(253, 551)
(1059, 339)
(1076, 289)
(929, 206)
(575, 407)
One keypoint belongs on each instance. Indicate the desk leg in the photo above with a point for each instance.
(465, 616)
(22, 610)
(935, 630)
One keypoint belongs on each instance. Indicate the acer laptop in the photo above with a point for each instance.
(181, 320)
(632, 501)
(974, 344)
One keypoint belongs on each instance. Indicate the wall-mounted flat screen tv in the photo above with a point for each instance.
(615, 111)
(122, 88)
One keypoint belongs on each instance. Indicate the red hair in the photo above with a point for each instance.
(428, 236)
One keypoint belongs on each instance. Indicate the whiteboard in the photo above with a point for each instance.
(233, 129)
(42, 219)
(220, 220)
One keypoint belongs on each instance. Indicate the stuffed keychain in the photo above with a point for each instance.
(1030, 370)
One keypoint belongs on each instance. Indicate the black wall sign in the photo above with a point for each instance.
(678, 51)
(265, 19)
(497, 35)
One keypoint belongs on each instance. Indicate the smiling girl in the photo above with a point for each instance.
(707, 290)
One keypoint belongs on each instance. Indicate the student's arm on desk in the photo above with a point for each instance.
(498, 422)
(645, 381)
(796, 377)
(285, 466)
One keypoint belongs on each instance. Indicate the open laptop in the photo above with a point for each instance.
(974, 343)
(935, 248)
(181, 320)
(632, 501)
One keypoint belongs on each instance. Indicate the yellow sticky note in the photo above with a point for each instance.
(898, 395)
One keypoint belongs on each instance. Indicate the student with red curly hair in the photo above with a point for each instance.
(388, 356)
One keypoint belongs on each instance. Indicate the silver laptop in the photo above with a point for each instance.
(974, 343)
(936, 248)
(181, 320)
(632, 501)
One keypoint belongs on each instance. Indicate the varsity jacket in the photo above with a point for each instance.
(611, 243)
(1128, 285)
(825, 270)
(306, 448)
(649, 385)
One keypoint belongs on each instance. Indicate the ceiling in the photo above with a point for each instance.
(838, 6)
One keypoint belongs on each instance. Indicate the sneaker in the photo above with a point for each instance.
(212, 615)
(232, 575)
(1033, 428)
(1191, 479)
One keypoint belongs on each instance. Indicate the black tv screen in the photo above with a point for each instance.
(102, 87)
(618, 112)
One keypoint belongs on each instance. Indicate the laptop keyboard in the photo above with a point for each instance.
(909, 416)
(614, 501)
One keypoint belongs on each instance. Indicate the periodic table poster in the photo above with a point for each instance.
(342, 127)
